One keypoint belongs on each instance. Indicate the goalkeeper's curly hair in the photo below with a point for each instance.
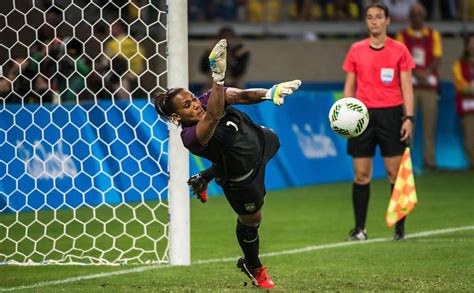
(164, 102)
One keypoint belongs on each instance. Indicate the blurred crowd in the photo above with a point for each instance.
(316, 10)
(65, 65)
(57, 68)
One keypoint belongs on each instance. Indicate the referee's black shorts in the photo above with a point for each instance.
(246, 197)
(383, 130)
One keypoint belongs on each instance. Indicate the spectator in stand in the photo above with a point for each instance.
(342, 9)
(238, 57)
(211, 10)
(463, 71)
(20, 78)
(466, 10)
(425, 46)
(264, 10)
(226, 10)
(448, 8)
(40, 82)
(61, 56)
(26, 84)
(10, 71)
(98, 80)
(127, 62)
(196, 11)
(76, 69)
(304, 10)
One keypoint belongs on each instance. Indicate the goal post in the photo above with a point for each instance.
(89, 174)
(180, 243)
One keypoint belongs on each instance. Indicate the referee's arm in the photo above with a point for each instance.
(408, 103)
(407, 92)
(349, 85)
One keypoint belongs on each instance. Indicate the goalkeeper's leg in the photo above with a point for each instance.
(208, 174)
(247, 236)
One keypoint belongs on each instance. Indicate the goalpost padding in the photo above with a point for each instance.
(83, 163)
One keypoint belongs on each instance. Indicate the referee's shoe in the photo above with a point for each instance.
(258, 276)
(399, 233)
(357, 234)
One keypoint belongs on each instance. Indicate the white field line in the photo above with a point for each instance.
(229, 259)
(442, 240)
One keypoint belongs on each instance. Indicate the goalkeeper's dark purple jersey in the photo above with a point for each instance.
(235, 145)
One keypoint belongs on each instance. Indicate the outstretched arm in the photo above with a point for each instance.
(276, 94)
(247, 96)
(215, 105)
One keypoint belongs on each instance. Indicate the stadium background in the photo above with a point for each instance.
(276, 57)
(319, 65)
(280, 50)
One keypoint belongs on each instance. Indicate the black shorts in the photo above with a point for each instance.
(383, 130)
(246, 197)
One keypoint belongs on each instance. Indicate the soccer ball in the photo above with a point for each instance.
(348, 117)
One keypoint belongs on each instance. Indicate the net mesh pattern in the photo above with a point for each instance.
(83, 155)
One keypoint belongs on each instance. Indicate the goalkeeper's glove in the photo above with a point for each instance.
(199, 186)
(217, 61)
(279, 91)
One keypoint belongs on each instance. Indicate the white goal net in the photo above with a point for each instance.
(83, 155)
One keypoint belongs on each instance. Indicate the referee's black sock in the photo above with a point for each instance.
(400, 225)
(360, 201)
(249, 242)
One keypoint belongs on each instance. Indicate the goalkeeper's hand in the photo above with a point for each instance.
(199, 186)
(279, 91)
(217, 61)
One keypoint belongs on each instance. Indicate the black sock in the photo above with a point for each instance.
(360, 201)
(400, 225)
(208, 174)
(249, 242)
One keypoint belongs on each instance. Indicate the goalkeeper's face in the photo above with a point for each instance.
(188, 108)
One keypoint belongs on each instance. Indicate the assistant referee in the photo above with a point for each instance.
(381, 70)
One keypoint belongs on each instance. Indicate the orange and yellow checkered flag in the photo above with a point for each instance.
(403, 198)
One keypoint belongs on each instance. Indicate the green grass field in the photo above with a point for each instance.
(317, 217)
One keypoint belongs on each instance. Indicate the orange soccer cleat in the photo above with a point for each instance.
(259, 276)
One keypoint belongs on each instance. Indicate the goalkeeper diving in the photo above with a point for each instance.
(238, 148)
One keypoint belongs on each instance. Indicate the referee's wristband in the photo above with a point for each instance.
(408, 117)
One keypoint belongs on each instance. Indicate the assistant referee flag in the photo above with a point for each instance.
(403, 198)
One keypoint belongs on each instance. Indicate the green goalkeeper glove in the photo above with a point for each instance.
(217, 61)
(279, 91)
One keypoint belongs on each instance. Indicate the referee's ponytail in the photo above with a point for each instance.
(164, 105)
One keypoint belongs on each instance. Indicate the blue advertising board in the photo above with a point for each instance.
(72, 155)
